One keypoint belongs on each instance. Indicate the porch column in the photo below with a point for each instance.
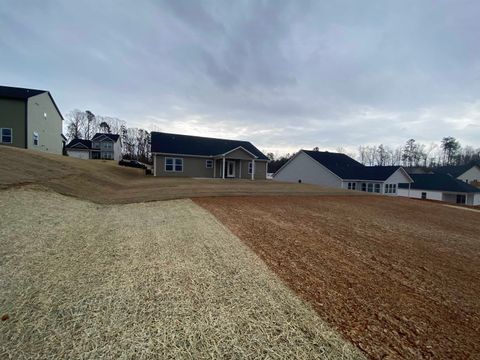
(223, 168)
(214, 168)
(253, 169)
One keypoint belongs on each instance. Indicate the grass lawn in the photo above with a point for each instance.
(152, 280)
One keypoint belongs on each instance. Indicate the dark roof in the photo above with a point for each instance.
(113, 137)
(18, 93)
(23, 94)
(200, 146)
(347, 168)
(74, 142)
(455, 171)
(439, 182)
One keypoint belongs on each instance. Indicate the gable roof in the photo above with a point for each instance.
(17, 93)
(113, 137)
(439, 182)
(199, 146)
(76, 142)
(456, 171)
(347, 168)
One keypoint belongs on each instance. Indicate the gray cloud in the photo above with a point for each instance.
(284, 74)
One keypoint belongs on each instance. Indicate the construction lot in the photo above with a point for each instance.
(245, 270)
(399, 278)
(142, 281)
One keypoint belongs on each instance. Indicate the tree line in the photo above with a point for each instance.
(412, 154)
(85, 124)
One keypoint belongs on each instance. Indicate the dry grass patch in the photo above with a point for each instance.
(105, 182)
(143, 281)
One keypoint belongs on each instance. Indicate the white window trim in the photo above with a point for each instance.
(36, 137)
(11, 136)
(173, 164)
(209, 163)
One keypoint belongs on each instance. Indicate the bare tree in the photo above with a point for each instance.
(76, 124)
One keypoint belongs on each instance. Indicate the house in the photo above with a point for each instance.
(102, 146)
(468, 173)
(30, 119)
(440, 187)
(341, 171)
(195, 156)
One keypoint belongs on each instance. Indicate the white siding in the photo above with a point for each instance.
(398, 177)
(79, 154)
(117, 151)
(473, 199)
(473, 174)
(417, 194)
(303, 167)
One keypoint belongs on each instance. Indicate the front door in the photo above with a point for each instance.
(230, 168)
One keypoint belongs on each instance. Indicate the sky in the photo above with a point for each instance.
(283, 74)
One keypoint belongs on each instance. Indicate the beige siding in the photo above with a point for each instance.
(12, 115)
(48, 128)
(192, 167)
(239, 154)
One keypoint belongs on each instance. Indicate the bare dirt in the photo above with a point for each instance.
(105, 182)
(398, 278)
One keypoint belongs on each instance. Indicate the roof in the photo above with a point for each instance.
(199, 146)
(347, 168)
(83, 142)
(455, 171)
(113, 137)
(19, 93)
(24, 94)
(439, 182)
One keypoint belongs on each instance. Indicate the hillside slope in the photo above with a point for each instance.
(106, 182)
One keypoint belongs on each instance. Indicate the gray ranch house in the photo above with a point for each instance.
(202, 157)
(102, 146)
(341, 171)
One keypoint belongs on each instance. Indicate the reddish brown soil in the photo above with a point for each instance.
(399, 278)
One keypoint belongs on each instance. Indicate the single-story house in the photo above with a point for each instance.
(30, 119)
(102, 146)
(341, 171)
(195, 156)
(468, 173)
(440, 187)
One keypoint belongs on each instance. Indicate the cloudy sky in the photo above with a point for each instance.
(283, 74)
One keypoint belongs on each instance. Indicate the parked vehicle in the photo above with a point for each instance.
(132, 163)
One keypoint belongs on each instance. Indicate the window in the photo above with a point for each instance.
(6, 135)
(209, 164)
(250, 167)
(174, 164)
(461, 199)
(370, 187)
(349, 187)
(107, 145)
(364, 187)
(424, 195)
(96, 145)
(394, 188)
(35, 138)
(377, 188)
(352, 186)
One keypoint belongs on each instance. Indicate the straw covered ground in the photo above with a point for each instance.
(150, 280)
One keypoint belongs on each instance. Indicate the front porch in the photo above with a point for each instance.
(231, 168)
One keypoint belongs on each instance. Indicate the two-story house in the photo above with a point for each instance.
(30, 119)
(102, 146)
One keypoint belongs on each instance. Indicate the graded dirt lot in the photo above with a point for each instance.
(105, 182)
(158, 280)
(399, 278)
